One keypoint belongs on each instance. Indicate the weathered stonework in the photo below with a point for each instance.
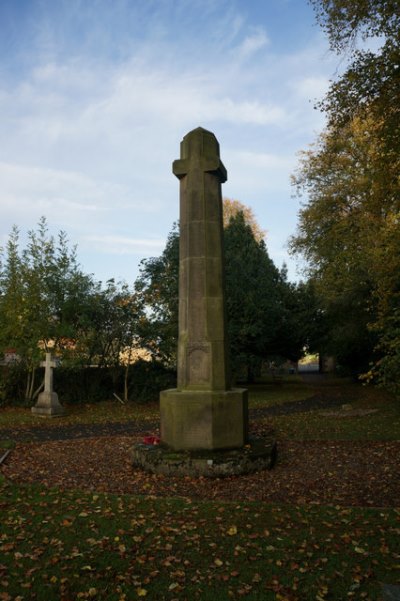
(203, 412)
(202, 353)
(48, 405)
(204, 419)
(259, 454)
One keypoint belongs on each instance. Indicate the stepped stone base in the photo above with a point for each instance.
(204, 419)
(259, 454)
(48, 405)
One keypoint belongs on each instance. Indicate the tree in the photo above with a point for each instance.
(334, 235)
(107, 334)
(255, 292)
(348, 231)
(371, 82)
(48, 303)
(303, 325)
(253, 298)
(231, 208)
(344, 21)
(158, 287)
(38, 285)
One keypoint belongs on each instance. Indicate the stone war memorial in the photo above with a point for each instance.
(204, 421)
(48, 404)
(203, 412)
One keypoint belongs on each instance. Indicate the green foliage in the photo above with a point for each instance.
(344, 20)
(348, 231)
(148, 378)
(302, 325)
(12, 383)
(106, 326)
(158, 288)
(251, 297)
(260, 318)
(82, 384)
(371, 81)
(40, 288)
(48, 304)
(262, 307)
(230, 210)
(95, 384)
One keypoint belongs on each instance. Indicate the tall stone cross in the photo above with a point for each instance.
(48, 403)
(203, 412)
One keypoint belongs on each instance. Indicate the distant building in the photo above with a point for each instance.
(318, 363)
(309, 363)
(131, 355)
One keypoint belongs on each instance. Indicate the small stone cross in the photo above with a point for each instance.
(48, 365)
(48, 403)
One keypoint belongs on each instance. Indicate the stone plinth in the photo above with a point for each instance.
(259, 454)
(203, 419)
(48, 405)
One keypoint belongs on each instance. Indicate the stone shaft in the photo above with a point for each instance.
(202, 353)
(48, 365)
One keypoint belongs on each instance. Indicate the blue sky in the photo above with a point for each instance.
(96, 95)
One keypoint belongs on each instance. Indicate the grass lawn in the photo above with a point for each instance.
(355, 423)
(276, 393)
(264, 395)
(80, 546)
(384, 425)
(80, 413)
(67, 545)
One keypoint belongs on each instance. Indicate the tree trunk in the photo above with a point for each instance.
(30, 384)
(250, 374)
(38, 389)
(126, 383)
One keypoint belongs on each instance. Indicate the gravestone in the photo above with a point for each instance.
(203, 412)
(48, 403)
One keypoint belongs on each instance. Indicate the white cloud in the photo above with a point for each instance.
(252, 175)
(264, 160)
(43, 185)
(122, 245)
(135, 96)
(71, 199)
(252, 44)
(311, 88)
